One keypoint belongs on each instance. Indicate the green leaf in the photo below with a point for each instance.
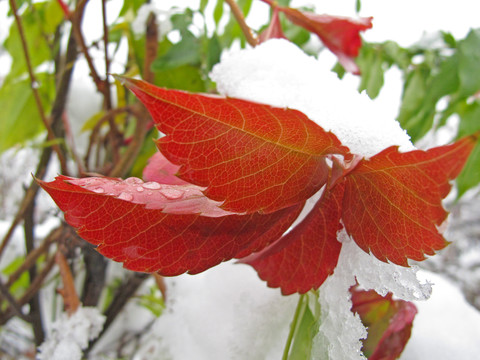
(39, 22)
(358, 5)
(185, 77)
(413, 97)
(203, 5)
(20, 118)
(213, 52)
(469, 61)
(185, 52)
(370, 62)
(218, 12)
(470, 175)
(469, 124)
(303, 329)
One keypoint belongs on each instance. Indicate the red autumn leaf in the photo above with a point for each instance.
(340, 34)
(303, 258)
(392, 203)
(389, 323)
(274, 29)
(152, 227)
(251, 156)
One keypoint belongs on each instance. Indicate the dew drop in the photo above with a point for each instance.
(140, 189)
(125, 196)
(99, 190)
(133, 181)
(172, 194)
(152, 185)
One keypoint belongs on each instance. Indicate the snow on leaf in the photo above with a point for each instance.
(389, 323)
(152, 227)
(340, 34)
(392, 203)
(252, 157)
(308, 254)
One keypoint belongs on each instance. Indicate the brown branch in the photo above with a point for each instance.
(34, 302)
(15, 307)
(141, 129)
(32, 289)
(76, 26)
(33, 255)
(237, 12)
(34, 87)
(71, 301)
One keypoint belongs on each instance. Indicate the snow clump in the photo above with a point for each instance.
(71, 334)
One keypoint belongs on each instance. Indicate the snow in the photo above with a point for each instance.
(71, 334)
(446, 326)
(225, 312)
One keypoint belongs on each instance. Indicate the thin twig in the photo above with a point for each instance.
(15, 307)
(34, 87)
(76, 26)
(32, 289)
(237, 12)
(33, 255)
(34, 302)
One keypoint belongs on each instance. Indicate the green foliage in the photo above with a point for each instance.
(153, 302)
(303, 328)
(441, 78)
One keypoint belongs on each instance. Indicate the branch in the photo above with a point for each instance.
(237, 12)
(71, 301)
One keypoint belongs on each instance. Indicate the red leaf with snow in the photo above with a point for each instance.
(251, 156)
(340, 34)
(389, 323)
(303, 258)
(158, 228)
(392, 203)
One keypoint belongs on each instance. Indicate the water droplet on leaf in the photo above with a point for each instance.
(140, 189)
(152, 185)
(172, 194)
(99, 190)
(125, 196)
(133, 181)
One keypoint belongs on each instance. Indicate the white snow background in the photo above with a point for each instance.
(228, 312)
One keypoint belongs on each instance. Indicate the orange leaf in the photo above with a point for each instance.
(252, 157)
(392, 203)
(303, 258)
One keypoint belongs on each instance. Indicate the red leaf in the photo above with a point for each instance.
(274, 29)
(389, 323)
(254, 157)
(340, 34)
(303, 258)
(392, 204)
(155, 229)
